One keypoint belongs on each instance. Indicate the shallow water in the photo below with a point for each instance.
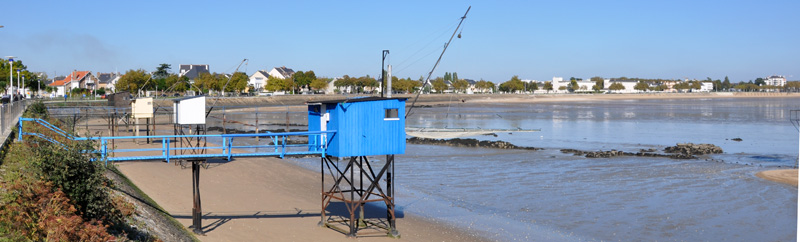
(521, 195)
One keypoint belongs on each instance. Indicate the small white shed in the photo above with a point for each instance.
(142, 108)
(189, 110)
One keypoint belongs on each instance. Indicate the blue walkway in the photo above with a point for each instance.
(274, 144)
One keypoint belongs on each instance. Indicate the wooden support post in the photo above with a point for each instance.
(197, 211)
(257, 124)
(147, 125)
(390, 213)
(322, 187)
(351, 204)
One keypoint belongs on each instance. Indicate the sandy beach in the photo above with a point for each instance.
(261, 199)
(785, 176)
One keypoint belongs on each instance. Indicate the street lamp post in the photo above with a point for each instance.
(11, 74)
(23, 86)
(18, 80)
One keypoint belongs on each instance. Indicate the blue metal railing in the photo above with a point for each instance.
(169, 150)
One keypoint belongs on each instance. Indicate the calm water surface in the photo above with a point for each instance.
(516, 195)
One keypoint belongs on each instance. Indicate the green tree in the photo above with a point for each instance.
(747, 87)
(303, 79)
(461, 85)
(366, 82)
(760, 82)
(484, 86)
(726, 84)
(548, 86)
(439, 85)
(319, 84)
(275, 84)
(238, 82)
(659, 88)
(176, 84)
(792, 86)
(717, 85)
(4, 72)
(132, 80)
(345, 81)
(598, 83)
(513, 85)
(162, 71)
(681, 86)
(616, 86)
(695, 85)
(641, 86)
(573, 84)
(532, 86)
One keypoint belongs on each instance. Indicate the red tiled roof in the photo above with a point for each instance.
(75, 75)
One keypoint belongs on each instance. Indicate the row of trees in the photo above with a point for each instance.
(135, 80)
(31, 82)
(161, 79)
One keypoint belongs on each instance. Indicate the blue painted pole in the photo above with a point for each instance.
(20, 130)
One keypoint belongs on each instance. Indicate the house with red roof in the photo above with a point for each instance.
(76, 79)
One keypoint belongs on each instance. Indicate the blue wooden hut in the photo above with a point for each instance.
(364, 126)
(368, 126)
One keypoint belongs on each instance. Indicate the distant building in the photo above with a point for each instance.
(76, 79)
(706, 86)
(627, 83)
(281, 72)
(192, 71)
(107, 80)
(775, 81)
(258, 80)
(471, 88)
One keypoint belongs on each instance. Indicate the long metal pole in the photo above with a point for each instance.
(437, 61)
(18, 81)
(11, 78)
(384, 53)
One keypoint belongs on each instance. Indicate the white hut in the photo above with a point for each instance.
(142, 108)
(189, 110)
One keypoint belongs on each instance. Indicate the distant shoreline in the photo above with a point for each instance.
(434, 99)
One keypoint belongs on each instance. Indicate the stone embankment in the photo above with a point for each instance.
(468, 143)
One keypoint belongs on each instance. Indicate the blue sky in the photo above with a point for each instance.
(532, 39)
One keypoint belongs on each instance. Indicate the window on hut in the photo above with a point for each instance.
(391, 114)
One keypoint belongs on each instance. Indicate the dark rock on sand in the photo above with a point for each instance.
(694, 149)
(614, 153)
(468, 143)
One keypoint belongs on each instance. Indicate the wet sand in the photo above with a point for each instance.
(262, 199)
(785, 176)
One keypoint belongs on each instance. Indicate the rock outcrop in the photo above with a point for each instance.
(694, 149)
(468, 143)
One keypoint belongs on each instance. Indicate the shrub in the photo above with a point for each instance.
(32, 210)
(37, 110)
(74, 173)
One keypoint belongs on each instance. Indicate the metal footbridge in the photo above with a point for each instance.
(270, 145)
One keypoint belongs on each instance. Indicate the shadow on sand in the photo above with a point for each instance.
(374, 215)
